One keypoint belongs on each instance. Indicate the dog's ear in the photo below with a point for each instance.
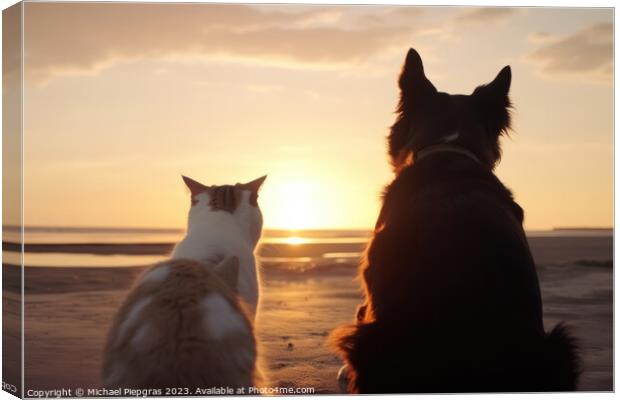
(413, 83)
(415, 90)
(494, 102)
(501, 84)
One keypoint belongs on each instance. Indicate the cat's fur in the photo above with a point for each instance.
(188, 322)
(452, 296)
(226, 220)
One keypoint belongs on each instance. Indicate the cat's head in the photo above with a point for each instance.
(239, 200)
(427, 117)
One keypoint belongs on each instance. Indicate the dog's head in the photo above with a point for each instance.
(428, 117)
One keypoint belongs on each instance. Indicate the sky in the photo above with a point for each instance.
(122, 99)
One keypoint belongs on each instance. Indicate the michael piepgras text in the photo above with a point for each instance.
(208, 391)
(175, 391)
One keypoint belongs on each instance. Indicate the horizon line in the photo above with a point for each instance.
(179, 229)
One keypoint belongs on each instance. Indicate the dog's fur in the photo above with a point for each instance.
(452, 297)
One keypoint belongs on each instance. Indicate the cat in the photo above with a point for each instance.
(188, 321)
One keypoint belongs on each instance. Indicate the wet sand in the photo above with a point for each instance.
(68, 310)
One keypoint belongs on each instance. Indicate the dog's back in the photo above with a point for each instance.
(452, 296)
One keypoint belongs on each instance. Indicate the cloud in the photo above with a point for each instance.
(540, 37)
(83, 38)
(585, 56)
(485, 15)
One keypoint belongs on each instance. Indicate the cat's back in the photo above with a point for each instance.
(180, 326)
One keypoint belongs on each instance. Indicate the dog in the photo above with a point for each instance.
(452, 298)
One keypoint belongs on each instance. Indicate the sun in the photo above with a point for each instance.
(292, 205)
(294, 240)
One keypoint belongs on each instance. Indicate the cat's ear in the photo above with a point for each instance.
(228, 271)
(255, 184)
(194, 186)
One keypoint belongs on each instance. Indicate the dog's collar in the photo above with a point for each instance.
(444, 148)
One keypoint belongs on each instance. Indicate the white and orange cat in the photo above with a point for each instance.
(188, 321)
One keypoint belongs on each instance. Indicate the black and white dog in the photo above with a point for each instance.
(452, 297)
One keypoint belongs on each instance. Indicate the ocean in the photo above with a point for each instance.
(291, 250)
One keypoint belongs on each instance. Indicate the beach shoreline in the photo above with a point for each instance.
(65, 330)
(68, 311)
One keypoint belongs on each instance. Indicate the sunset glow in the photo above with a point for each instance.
(295, 240)
(117, 109)
(294, 204)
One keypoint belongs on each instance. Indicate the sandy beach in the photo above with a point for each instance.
(67, 312)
